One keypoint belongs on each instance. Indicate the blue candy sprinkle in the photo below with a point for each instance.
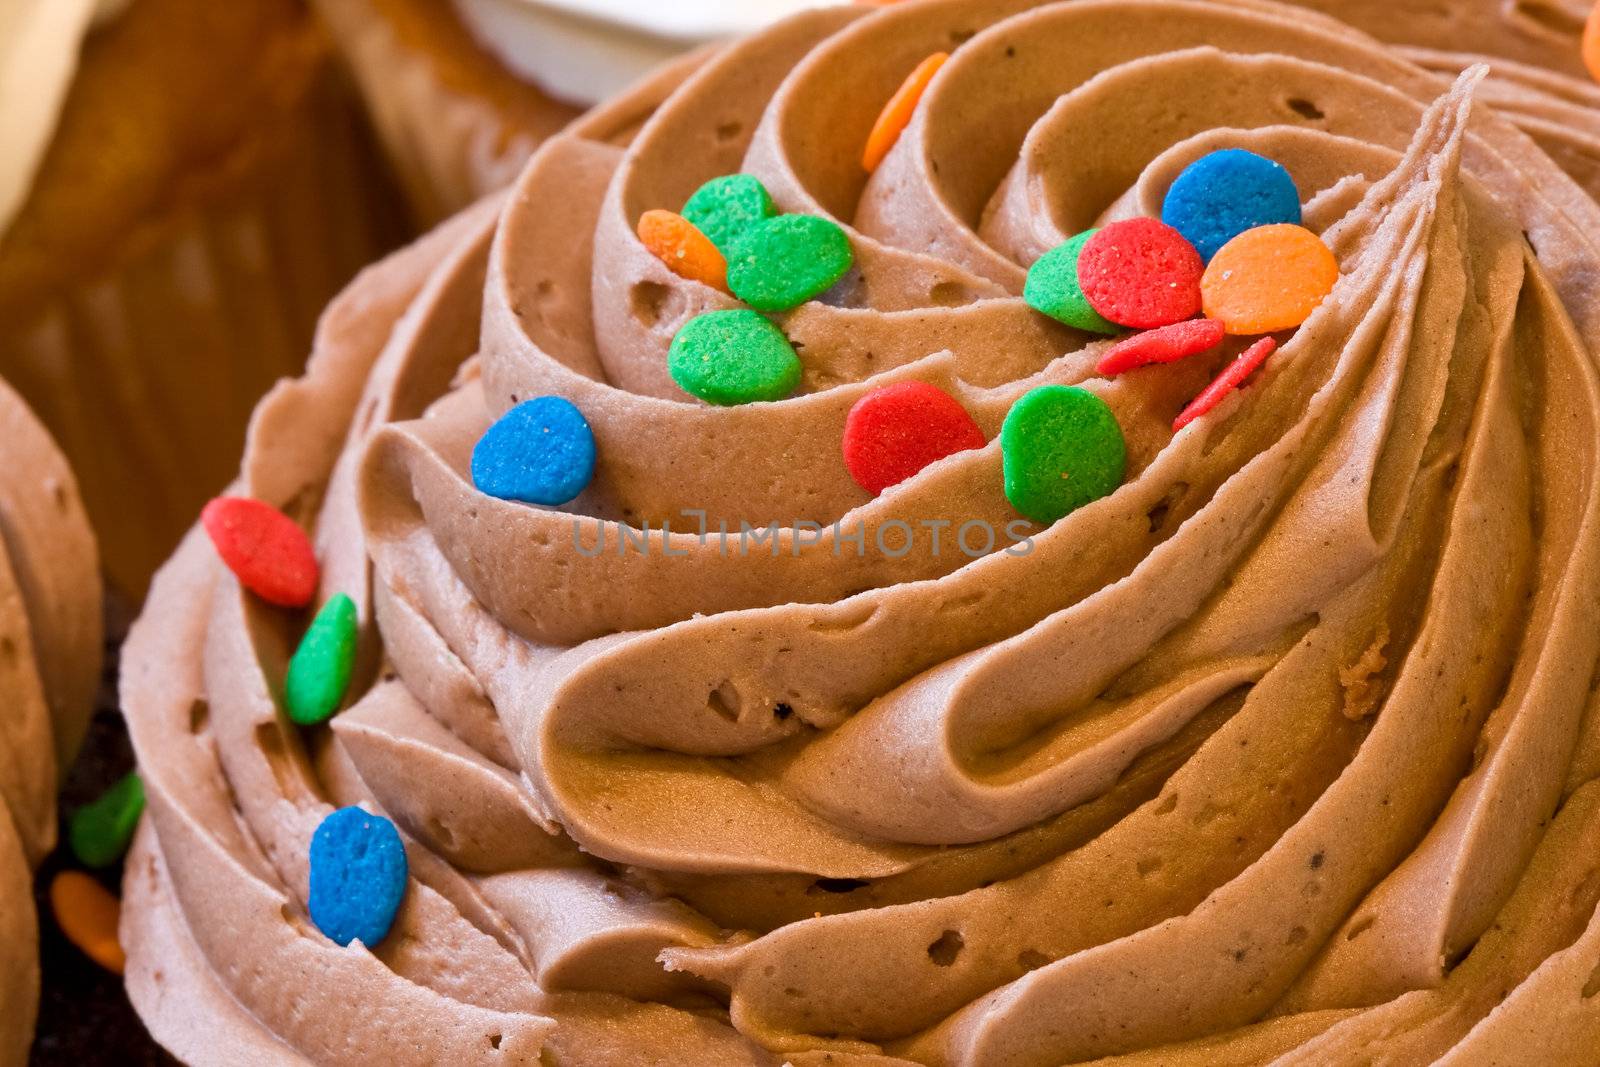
(1223, 194)
(358, 876)
(540, 452)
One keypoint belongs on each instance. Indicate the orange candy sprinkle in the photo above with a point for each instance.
(686, 251)
(88, 914)
(1268, 279)
(896, 114)
(1591, 43)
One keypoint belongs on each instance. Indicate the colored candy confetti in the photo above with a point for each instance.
(724, 208)
(1268, 279)
(1223, 194)
(540, 452)
(1232, 376)
(894, 432)
(319, 670)
(896, 114)
(1062, 449)
(1166, 345)
(100, 830)
(358, 876)
(783, 262)
(1053, 288)
(733, 357)
(264, 548)
(686, 251)
(88, 914)
(1141, 273)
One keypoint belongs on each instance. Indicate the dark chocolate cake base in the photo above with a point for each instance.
(85, 1019)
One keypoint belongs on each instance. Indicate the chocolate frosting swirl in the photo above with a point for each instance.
(1283, 752)
(50, 627)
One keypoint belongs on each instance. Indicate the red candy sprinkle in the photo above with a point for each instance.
(264, 548)
(1141, 273)
(1232, 376)
(1166, 345)
(894, 432)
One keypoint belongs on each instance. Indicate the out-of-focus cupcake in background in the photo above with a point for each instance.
(463, 91)
(183, 184)
(50, 626)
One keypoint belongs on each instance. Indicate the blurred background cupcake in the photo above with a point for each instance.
(183, 185)
(50, 626)
(463, 91)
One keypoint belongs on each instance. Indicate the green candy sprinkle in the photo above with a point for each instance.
(319, 671)
(100, 831)
(1062, 448)
(1052, 288)
(783, 262)
(733, 357)
(724, 208)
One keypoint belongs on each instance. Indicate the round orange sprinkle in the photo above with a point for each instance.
(896, 114)
(88, 915)
(1591, 43)
(686, 251)
(1267, 279)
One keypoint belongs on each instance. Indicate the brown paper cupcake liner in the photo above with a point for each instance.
(147, 374)
(454, 123)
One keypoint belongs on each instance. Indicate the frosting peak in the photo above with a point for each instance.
(1282, 749)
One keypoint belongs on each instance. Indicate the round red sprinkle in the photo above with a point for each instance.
(894, 432)
(1141, 273)
(264, 548)
(1232, 376)
(1166, 345)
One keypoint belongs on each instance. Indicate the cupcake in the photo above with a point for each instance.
(463, 91)
(179, 198)
(909, 682)
(49, 667)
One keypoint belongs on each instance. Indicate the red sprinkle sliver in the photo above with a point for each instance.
(1166, 345)
(264, 548)
(1232, 376)
(894, 432)
(1141, 273)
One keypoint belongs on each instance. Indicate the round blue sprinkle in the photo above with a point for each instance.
(1223, 194)
(540, 452)
(358, 876)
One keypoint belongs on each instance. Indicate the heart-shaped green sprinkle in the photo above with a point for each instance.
(1062, 449)
(319, 670)
(101, 830)
(1053, 289)
(724, 208)
(783, 262)
(733, 357)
